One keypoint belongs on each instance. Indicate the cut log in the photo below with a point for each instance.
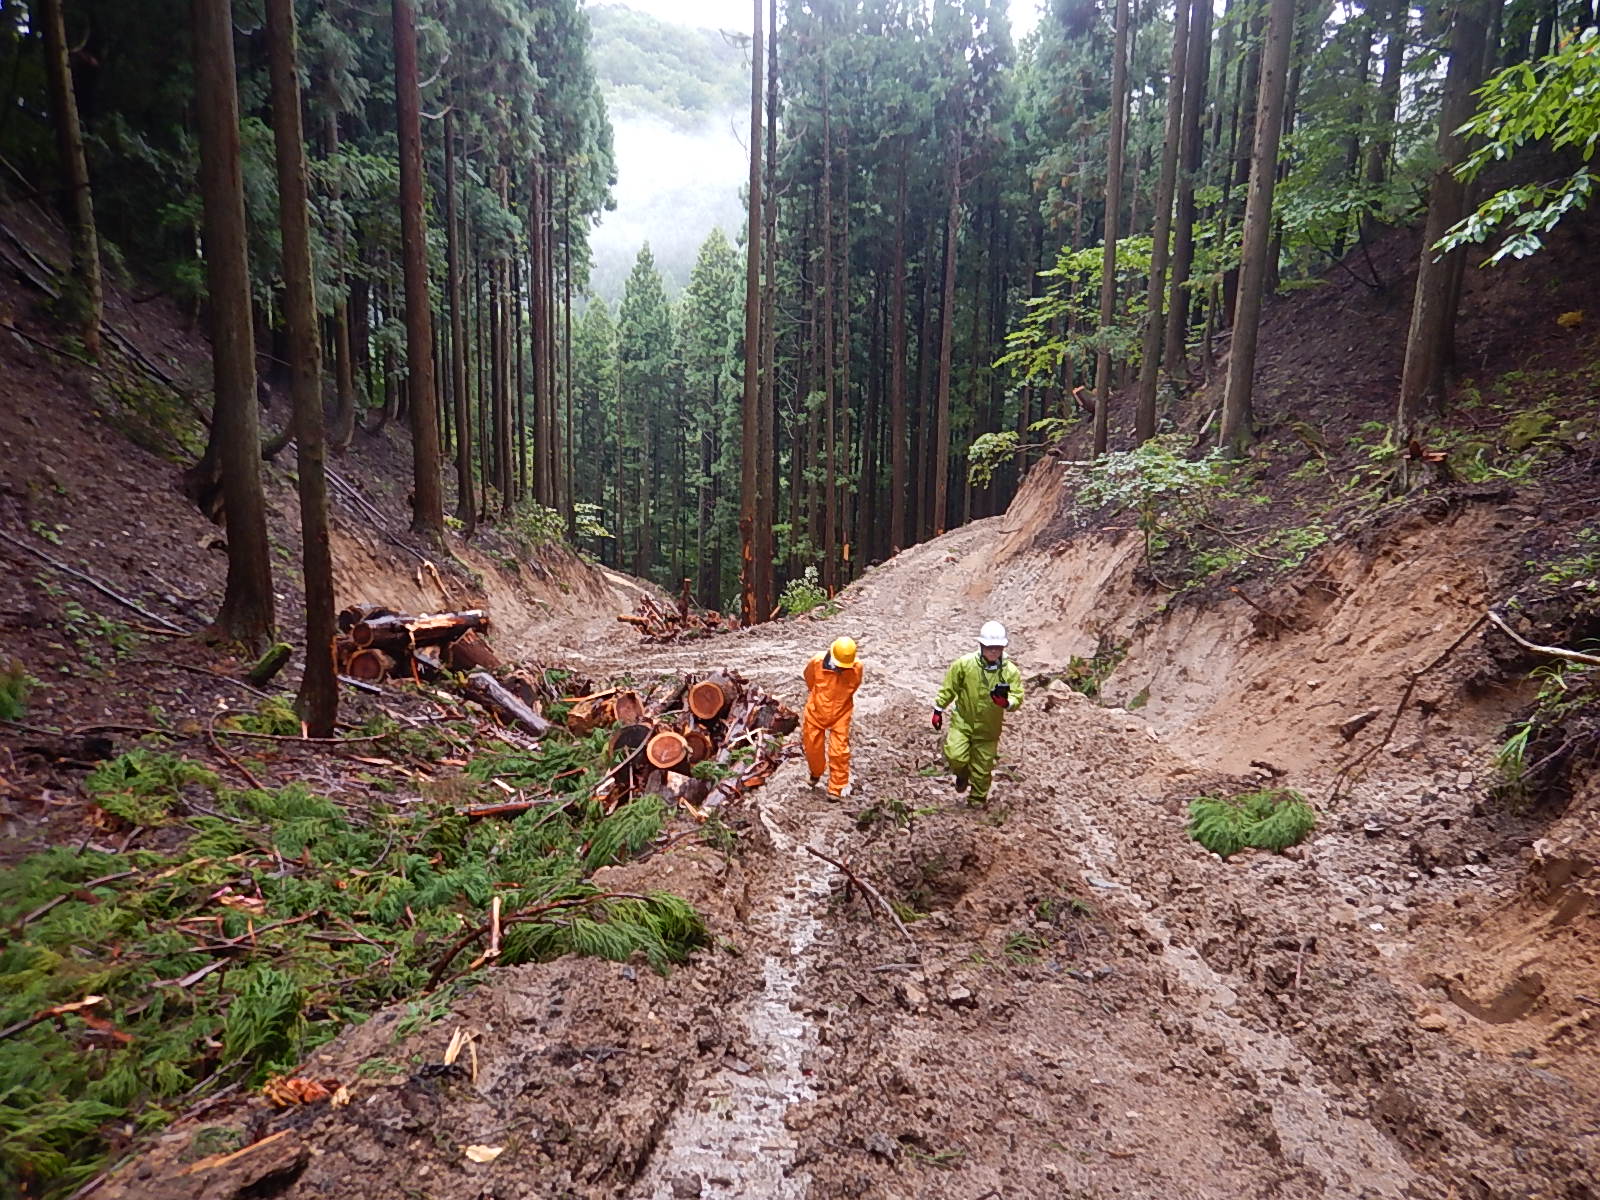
(701, 747)
(350, 617)
(589, 713)
(470, 653)
(629, 708)
(369, 666)
(630, 737)
(712, 696)
(270, 663)
(398, 631)
(486, 690)
(666, 748)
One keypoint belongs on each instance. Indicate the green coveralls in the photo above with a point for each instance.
(973, 742)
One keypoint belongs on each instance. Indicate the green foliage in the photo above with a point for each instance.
(1580, 565)
(1088, 675)
(142, 786)
(1047, 337)
(803, 594)
(274, 715)
(335, 912)
(100, 640)
(677, 73)
(1270, 819)
(16, 685)
(264, 1024)
(1554, 101)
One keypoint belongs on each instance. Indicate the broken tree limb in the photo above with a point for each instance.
(868, 890)
(92, 582)
(1349, 773)
(270, 663)
(487, 691)
(1576, 656)
(470, 653)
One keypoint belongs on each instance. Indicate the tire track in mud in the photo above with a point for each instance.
(1349, 1154)
(728, 1134)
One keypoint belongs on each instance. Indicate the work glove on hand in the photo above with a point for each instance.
(938, 719)
(1000, 698)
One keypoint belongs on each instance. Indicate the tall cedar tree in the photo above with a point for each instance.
(318, 701)
(427, 497)
(77, 203)
(234, 450)
(1430, 342)
(1108, 262)
(752, 470)
(1253, 265)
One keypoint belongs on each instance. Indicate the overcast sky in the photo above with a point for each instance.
(736, 14)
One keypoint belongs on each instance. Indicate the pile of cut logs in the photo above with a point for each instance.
(718, 718)
(657, 622)
(377, 643)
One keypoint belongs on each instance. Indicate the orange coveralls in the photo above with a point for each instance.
(829, 707)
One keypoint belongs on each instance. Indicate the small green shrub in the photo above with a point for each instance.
(15, 686)
(803, 594)
(1270, 819)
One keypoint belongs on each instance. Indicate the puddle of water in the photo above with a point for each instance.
(729, 1133)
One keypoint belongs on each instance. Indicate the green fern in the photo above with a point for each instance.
(264, 1023)
(142, 786)
(1270, 819)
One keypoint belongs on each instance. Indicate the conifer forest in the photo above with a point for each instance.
(448, 440)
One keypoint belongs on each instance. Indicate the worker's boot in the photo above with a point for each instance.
(962, 781)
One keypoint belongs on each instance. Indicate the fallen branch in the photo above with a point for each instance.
(131, 605)
(211, 737)
(1347, 773)
(1265, 612)
(869, 890)
(1576, 656)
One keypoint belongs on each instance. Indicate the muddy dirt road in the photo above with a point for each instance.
(1077, 1000)
(1089, 1004)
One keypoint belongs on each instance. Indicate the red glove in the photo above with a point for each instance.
(938, 719)
(1000, 700)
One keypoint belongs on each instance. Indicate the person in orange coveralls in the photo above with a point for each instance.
(832, 678)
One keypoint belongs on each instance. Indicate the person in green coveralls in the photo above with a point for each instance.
(982, 688)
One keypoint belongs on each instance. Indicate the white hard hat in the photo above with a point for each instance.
(992, 634)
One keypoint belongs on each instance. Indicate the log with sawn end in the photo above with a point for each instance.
(396, 631)
(487, 691)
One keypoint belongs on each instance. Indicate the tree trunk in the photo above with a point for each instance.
(466, 511)
(897, 368)
(427, 499)
(1382, 146)
(247, 605)
(318, 702)
(767, 469)
(1253, 265)
(750, 445)
(344, 412)
(1197, 69)
(1150, 362)
(1430, 343)
(825, 298)
(947, 315)
(1240, 151)
(86, 301)
(1108, 259)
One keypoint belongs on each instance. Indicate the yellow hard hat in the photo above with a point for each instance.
(843, 652)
